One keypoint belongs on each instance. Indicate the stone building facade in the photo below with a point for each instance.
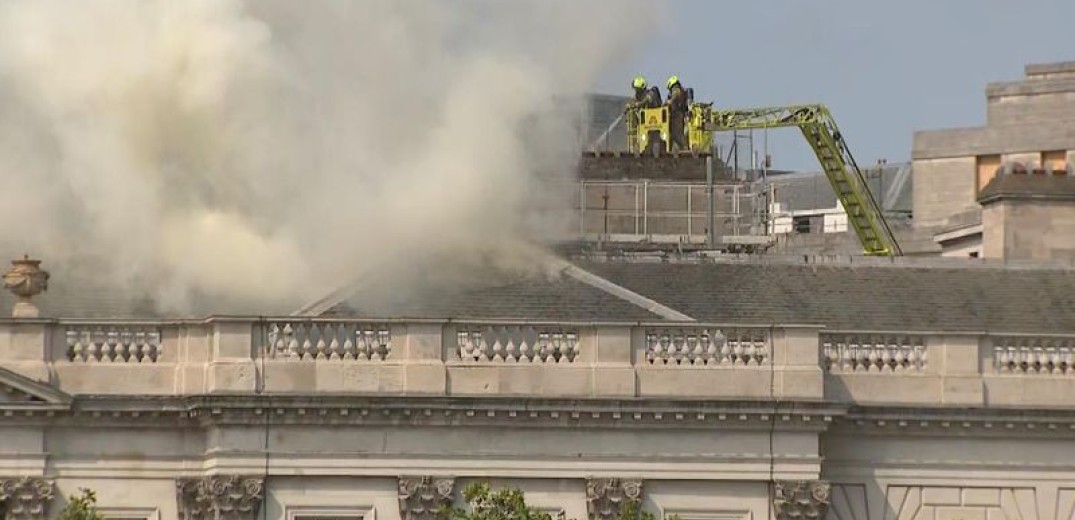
(1030, 126)
(739, 389)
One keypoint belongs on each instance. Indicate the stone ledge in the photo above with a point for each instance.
(1029, 88)
(1003, 139)
(1028, 186)
(1048, 69)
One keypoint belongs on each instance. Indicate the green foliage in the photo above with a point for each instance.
(503, 504)
(634, 511)
(81, 507)
(510, 504)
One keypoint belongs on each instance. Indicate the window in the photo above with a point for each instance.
(987, 169)
(129, 513)
(1055, 161)
(800, 224)
(328, 513)
(694, 514)
(327, 517)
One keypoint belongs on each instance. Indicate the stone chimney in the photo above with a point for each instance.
(25, 280)
(1028, 213)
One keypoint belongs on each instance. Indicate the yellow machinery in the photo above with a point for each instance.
(699, 138)
(648, 131)
(820, 130)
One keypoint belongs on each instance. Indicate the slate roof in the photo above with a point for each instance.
(85, 299)
(859, 297)
(532, 299)
(892, 188)
(864, 294)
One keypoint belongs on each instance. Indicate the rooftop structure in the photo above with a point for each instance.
(1028, 122)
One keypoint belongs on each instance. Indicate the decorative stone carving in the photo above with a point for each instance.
(606, 497)
(25, 280)
(421, 498)
(25, 498)
(219, 497)
(802, 499)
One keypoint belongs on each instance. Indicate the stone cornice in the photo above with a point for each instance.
(313, 410)
(978, 422)
(430, 411)
(32, 395)
(339, 409)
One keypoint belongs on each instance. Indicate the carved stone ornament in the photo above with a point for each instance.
(802, 499)
(421, 498)
(606, 497)
(25, 280)
(219, 497)
(25, 498)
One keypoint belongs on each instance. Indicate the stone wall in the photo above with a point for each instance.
(942, 188)
(244, 418)
(1027, 121)
(1029, 230)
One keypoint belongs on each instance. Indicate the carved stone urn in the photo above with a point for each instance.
(25, 280)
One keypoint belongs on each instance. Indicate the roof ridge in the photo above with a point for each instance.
(623, 293)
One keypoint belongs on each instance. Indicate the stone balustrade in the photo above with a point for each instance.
(846, 353)
(561, 360)
(113, 343)
(517, 344)
(1034, 355)
(692, 346)
(331, 340)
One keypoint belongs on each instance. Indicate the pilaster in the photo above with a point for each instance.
(25, 498)
(801, 499)
(219, 497)
(606, 498)
(421, 498)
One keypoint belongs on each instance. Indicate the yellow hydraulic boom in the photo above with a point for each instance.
(819, 128)
(648, 133)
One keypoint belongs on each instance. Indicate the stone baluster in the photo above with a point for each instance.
(606, 498)
(421, 498)
(25, 498)
(219, 497)
(801, 499)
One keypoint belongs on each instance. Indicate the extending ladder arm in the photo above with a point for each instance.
(820, 130)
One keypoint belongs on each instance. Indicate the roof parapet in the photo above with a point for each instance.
(928, 262)
(1050, 70)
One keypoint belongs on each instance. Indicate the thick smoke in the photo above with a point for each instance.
(267, 152)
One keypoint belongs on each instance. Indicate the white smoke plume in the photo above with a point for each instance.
(263, 153)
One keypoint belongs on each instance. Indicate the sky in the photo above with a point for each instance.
(885, 69)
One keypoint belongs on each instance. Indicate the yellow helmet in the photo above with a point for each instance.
(672, 81)
(639, 82)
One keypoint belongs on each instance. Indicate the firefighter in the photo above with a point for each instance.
(677, 113)
(644, 98)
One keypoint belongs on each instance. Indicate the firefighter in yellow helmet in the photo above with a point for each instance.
(678, 106)
(644, 98)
